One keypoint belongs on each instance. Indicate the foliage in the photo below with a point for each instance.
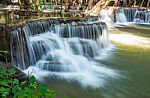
(11, 87)
(138, 2)
(42, 2)
(3, 53)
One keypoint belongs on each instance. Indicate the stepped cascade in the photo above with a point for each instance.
(136, 15)
(63, 48)
(75, 48)
(44, 43)
(142, 17)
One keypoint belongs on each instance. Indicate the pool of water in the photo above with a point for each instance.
(132, 62)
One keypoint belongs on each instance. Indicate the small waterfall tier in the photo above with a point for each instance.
(58, 45)
(40, 26)
(93, 30)
(136, 15)
(142, 17)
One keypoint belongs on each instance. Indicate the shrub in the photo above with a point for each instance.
(11, 87)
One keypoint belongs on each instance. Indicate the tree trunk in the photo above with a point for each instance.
(148, 3)
(98, 7)
(142, 3)
(134, 3)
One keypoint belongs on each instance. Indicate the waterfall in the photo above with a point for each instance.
(120, 16)
(60, 46)
(129, 13)
(147, 17)
(136, 15)
(38, 38)
(142, 17)
(106, 16)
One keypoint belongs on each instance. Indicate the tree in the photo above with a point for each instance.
(90, 4)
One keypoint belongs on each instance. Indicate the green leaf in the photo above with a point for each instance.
(21, 94)
(3, 83)
(32, 80)
(51, 94)
(42, 88)
(4, 91)
(3, 53)
(23, 89)
(2, 72)
(6, 52)
(29, 91)
(16, 89)
(16, 81)
(10, 72)
(23, 83)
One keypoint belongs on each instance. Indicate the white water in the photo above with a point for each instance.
(65, 52)
(106, 16)
(86, 72)
(72, 63)
(142, 17)
(120, 16)
(135, 15)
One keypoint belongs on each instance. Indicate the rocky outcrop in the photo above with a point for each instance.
(5, 37)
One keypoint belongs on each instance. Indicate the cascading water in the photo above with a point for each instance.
(129, 13)
(136, 15)
(66, 50)
(142, 17)
(120, 16)
(106, 16)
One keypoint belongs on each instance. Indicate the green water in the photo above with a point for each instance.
(132, 62)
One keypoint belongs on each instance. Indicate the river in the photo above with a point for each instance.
(130, 56)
